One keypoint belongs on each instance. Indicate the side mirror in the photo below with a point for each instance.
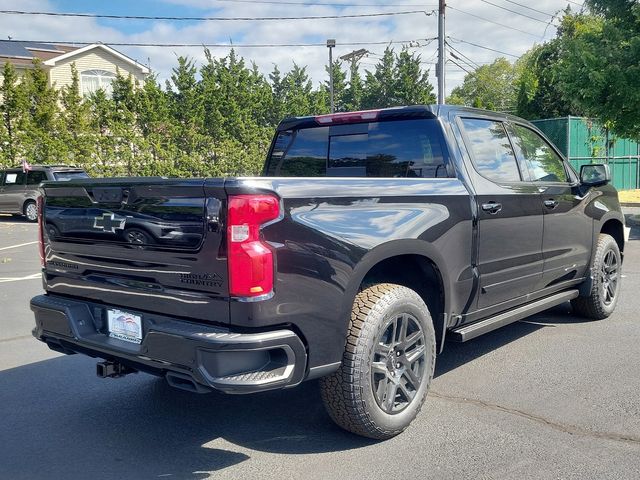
(595, 174)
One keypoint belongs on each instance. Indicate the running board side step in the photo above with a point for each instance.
(467, 332)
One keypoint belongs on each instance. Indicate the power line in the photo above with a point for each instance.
(492, 21)
(483, 47)
(459, 66)
(218, 19)
(468, 60)
(229, 45)
(513, 11)
(267, 2)
(530, 8)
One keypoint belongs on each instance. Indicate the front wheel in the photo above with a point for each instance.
(605, 290)
(387, 364)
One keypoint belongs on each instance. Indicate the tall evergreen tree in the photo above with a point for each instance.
(355, 90)
(76, 122)
(339, 85)
(412, 86)
(43, 142)
(380, 84)
(14, 111)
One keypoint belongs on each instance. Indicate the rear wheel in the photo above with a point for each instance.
(30, 210)
(605, 268)
(387, 364)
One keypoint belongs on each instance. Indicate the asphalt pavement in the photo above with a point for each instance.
(550, 397)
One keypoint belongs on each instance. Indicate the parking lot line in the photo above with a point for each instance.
(16, 279)
(18, 246)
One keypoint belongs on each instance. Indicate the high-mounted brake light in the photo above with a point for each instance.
(347, 117)
(40, 205)
(250, 259)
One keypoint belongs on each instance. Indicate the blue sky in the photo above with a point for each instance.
(497, 29)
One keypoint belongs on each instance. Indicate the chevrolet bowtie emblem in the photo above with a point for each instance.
(109, 222)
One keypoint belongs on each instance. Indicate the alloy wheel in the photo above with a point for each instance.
(398, 363)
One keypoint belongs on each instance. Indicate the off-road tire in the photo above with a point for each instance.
(348, 393)
(597, 305)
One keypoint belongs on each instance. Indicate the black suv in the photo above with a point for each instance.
(19, 189)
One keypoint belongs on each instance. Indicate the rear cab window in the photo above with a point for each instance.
(390, 148)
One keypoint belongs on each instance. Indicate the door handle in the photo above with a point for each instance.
(551, 204)
(492, 207)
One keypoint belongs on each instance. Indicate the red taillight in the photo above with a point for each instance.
(40, 204)
(250, 259)
(347, 117)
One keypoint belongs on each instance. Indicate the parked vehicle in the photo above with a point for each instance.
(19, 189)
(371, 239)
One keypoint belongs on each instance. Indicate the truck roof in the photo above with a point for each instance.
(392, 113)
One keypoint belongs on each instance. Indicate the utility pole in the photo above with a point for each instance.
(330, 44)
(354, 57)
(442, 54)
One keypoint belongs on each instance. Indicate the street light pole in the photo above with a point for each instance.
(330, 44)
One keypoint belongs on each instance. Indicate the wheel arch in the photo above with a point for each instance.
(412, 263)
(615, 228)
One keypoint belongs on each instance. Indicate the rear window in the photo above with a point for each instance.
(401, 148)
(66, 176)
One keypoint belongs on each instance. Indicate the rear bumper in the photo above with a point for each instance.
(191, 356)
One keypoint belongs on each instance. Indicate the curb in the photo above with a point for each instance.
(630, 204)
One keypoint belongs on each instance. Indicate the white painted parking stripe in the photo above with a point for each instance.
(17, 279)
(18, 246)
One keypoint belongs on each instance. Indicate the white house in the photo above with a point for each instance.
(97, 63)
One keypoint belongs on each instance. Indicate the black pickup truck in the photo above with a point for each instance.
(371, 238)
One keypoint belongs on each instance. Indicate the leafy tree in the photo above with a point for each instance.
(599, 65)
(490, 86)
(539, 92)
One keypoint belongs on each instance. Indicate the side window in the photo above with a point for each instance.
(543, 163)
(2, 178)
(14, 178)
(35, 178)
(492, 152)
(300, 153)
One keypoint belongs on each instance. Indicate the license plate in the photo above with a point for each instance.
(125, 326)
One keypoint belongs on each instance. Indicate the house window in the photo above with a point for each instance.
(94, 80)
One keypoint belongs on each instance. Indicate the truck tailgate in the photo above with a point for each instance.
(150, 244)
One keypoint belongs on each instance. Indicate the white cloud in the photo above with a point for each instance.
(401, 27)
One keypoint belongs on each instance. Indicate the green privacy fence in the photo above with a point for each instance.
(584, 141)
